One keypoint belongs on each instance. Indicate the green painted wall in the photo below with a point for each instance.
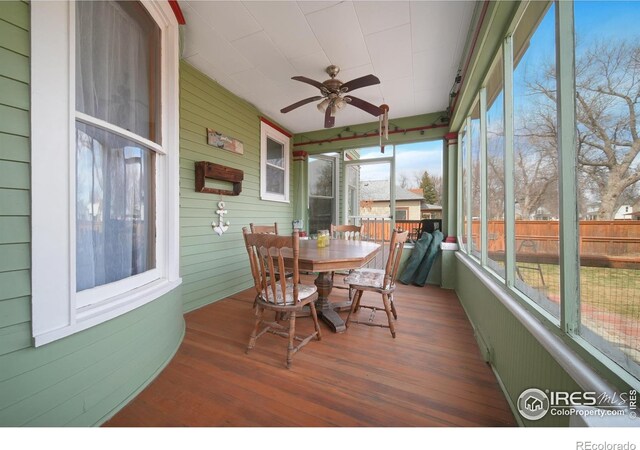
(517, 357)
(214, 267)
(82, 379)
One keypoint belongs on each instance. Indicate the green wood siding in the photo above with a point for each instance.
(79, 380)
(516, 356)
(212, 266)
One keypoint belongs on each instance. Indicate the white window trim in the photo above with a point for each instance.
(335, 183)
(267, 131)
(57, 310)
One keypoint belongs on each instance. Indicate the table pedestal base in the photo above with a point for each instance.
(327, 310)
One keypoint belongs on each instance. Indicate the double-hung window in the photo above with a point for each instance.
(274, 164)
(105, 158)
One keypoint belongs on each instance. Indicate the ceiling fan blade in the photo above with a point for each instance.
(329, 120)
(300, 103)
(364, 105)
(314, 83)
(367, 80)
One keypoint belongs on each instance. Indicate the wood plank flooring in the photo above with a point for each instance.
(432, 374)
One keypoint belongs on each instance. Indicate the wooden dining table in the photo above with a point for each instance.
(339, 255)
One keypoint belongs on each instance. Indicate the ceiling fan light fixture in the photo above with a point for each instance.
(322, 106)
(340, 103)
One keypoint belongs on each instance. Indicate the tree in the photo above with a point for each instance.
(428, 187)
(437, 184)
(608, 141)
(404, 181)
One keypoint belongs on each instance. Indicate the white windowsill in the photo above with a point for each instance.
(90, 316)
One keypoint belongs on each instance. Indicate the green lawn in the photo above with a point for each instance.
(611, 290)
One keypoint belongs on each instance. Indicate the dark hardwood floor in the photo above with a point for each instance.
(432, 374)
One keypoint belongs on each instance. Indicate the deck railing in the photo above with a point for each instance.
(378, 229)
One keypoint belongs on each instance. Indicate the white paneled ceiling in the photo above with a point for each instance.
(253, 48)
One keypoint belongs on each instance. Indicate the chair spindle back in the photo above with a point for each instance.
(267, 255)
(270, 229)
(346, 232)
(398, 239)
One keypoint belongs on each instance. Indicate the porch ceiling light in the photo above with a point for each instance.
(322, 106)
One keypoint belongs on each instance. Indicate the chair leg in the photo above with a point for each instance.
(354, 305)
(393, 307)
(314, 315)
(292, 333)
(387, 308)
(256, 325)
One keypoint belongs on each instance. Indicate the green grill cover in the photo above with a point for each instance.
(419, 250)
(420, 278)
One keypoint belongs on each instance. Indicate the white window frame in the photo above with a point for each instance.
(57, 309)
(267, 131)
(335, 183)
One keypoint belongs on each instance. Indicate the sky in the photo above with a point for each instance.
(410, 159)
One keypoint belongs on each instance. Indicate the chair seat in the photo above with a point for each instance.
(304, 291)
(369, 278)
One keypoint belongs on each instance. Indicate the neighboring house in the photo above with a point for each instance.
(374, 201)
(625, 212)
(429, 211)
(543, 213)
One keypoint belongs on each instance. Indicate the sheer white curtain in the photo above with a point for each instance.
(116, 81)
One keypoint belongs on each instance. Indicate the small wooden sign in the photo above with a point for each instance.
(219, 140)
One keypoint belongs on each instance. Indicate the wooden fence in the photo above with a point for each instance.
(614, 243)
(379, 228)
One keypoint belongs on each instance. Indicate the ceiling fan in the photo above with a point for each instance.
(333, 94)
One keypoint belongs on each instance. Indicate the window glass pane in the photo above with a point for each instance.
(607, 111)
(275, 180)
(401, 214)
(474, 136)
(495, 169)
(536, 158)
(115, 215)
(321, 193)
(320, 213)
(463, 191)
(320, 177)
(117, 66)
(275, 153)
(353, 182)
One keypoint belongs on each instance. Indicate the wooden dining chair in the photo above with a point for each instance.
(285, 297)
(347, 233)
(379, 281)
(271, 229)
